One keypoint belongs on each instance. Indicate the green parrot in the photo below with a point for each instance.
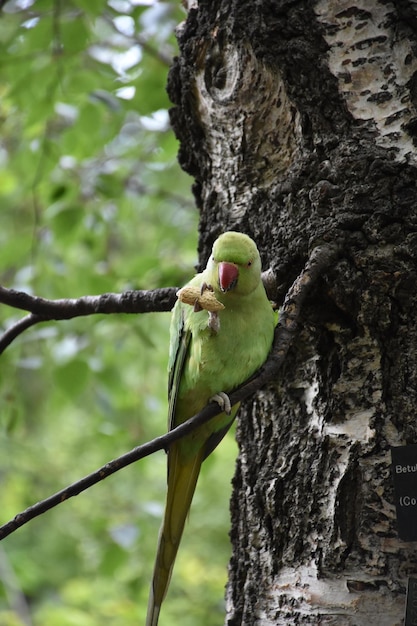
(213, 349)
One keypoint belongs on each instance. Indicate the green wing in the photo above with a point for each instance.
(179, 348)
(180, 344)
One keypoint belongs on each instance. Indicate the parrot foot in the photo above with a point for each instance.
(223, 401)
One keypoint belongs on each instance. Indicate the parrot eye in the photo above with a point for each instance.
(249, 263)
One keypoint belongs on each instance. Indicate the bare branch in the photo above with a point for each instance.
(320, 259)
(141, 301)
(42, 310)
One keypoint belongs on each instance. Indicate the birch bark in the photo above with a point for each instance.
(298, 122)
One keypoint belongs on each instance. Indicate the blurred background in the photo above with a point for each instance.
(93, 200)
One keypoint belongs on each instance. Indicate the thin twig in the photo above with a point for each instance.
(320, 259)
(159, 443)
(160, 55)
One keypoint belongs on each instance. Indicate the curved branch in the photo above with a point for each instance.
(16, 329)
(320, 259)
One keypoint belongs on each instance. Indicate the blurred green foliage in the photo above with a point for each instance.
(93, 200)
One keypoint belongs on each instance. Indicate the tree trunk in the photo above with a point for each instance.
(298, 122)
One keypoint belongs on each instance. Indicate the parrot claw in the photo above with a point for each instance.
(223, 401)
(205, 287)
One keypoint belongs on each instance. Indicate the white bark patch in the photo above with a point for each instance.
(361, 379)
(299, 590)
(251, 128)
(356, 428)
(373, 64)
(356, 423)
(311, 391)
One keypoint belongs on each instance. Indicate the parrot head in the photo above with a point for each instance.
(235, 264)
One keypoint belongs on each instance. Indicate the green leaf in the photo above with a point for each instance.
(72, 377)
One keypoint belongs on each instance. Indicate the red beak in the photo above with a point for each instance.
(228, 274)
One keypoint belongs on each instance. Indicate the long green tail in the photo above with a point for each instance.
(182, 480)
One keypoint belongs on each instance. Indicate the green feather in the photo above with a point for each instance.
(203, 363)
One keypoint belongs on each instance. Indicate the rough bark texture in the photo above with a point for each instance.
(298, 121)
